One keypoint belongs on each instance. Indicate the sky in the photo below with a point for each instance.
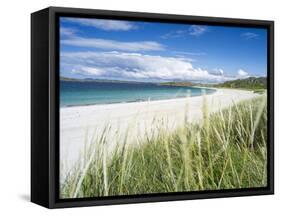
(160, 52)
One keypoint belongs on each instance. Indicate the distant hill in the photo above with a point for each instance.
(68, 79)
(252, 83)
(178, 84)
(248, 83)
(62, 78)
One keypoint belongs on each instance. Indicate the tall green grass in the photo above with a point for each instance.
(226, 150)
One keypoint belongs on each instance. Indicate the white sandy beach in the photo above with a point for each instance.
(80, 125)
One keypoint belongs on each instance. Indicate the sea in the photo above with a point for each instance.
(74, 93)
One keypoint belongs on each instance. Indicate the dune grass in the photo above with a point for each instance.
(226, 150)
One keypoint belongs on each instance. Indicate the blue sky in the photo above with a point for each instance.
(150, 51)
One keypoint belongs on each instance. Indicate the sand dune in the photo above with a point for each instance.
(82, 124)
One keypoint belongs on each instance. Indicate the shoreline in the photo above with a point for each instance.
(81, 125)
(140, 101)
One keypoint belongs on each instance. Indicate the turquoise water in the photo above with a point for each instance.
(89, 93)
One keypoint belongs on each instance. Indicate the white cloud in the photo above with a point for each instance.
(197, 30)
(132, 66)
(175, 34)
(190, 53)
(72, 39)
(67, 31)
(193, 30)
(108, 25)
(113, 44)
(242, 74)
(93, 71)
(249, 35)
(217, 71)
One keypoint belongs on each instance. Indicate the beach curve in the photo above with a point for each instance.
(79, 125)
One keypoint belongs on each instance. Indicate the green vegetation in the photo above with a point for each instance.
(186, 84)
(258, 84)
(226, 150)
(251, 83)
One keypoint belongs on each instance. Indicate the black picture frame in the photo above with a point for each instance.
(45, 107)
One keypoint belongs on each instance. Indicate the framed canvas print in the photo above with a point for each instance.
(139, 107)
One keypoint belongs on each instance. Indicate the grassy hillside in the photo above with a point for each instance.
(248, 83)
(251, 83)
